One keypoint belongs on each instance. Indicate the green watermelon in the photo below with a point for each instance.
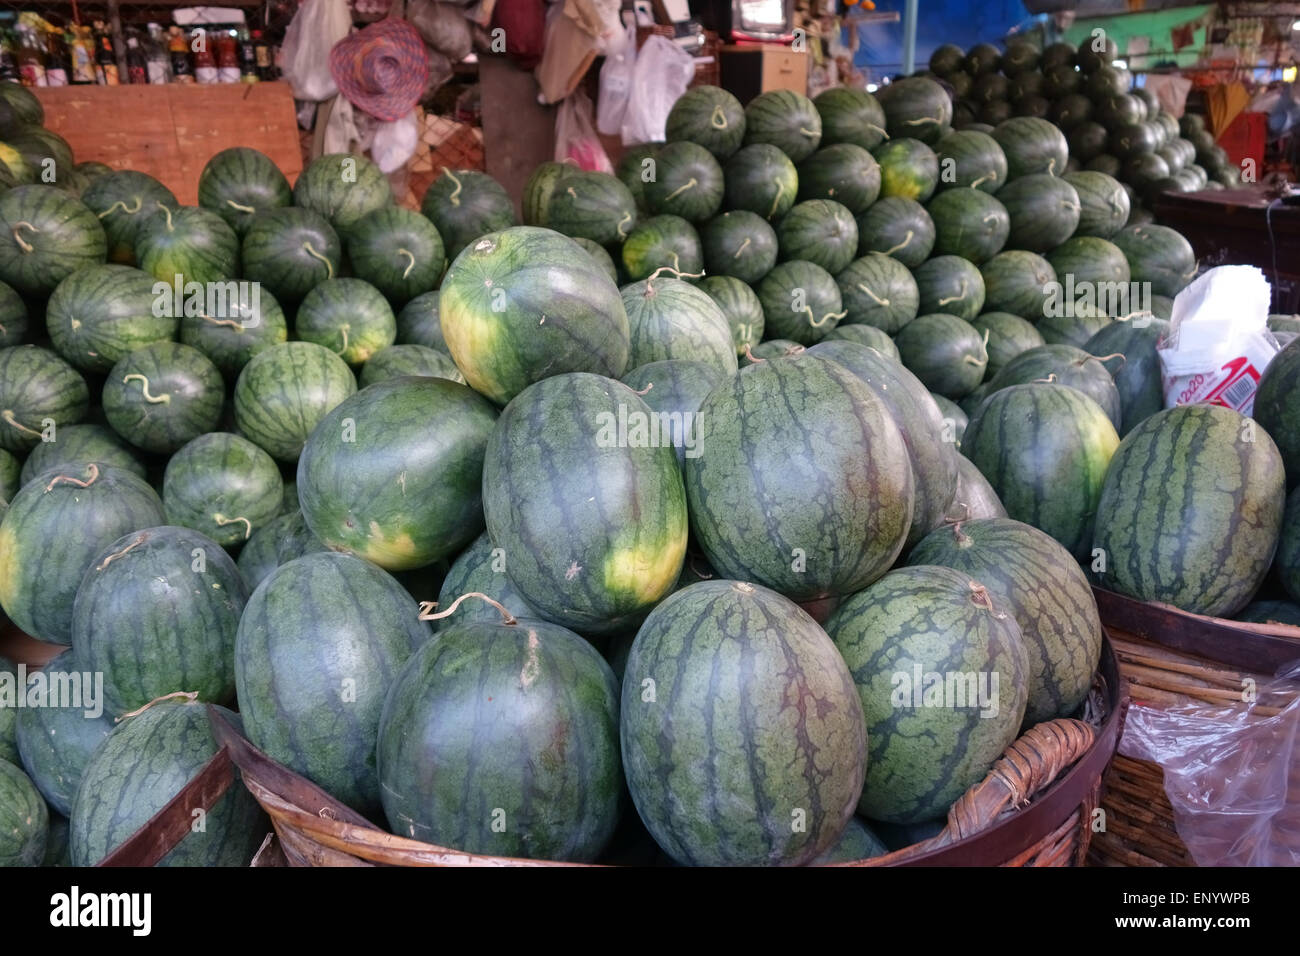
(598, 560)
(971, 158)
(981, 59)
(1063, 365)
(394, 472)
(100, 314)
(541, 184)
(24, 819)
(396, 361)
(916, 107)
(1069, 112)
(810, 526)
(398, 251)
(1072, 323)
(688, 182)
(784, 119)
(419, 323)
(1271, 612)
(590, 205)
(600, 256)
(185, 245)
(1093, 265)
(850, 115)
(761, 179)
(39, 392)
(968, 223)
(770, 349)
(46, 235)
(539, 709)
(908, 169)
(163, 395)
(348, 316)
(342, 187)
(845, 173)
(290, 251)
(1276, 401)
(1008, 336)
(1108, 164)
(710, 117)
(1191, 510)
(741, 307)
(284, 391)
(945, 352)
(1158, 255)
(1058, 54)
(1045, 448)
(801, 302)
(43, 155)
(54, 528)
(156, 613)
(897, 227)
(821, 232)
(1103, 203)
(738, 243)
(139, 769)
(946, 60)
(857, 842)
(223, 486)
(942, 672)
(482, 568)
(674, 389)
(974, 497)
(282, 540)
(13, 317)
(238, 183)
(867, 335)
(879, 291)
(1020, 57)
(950, 284)
(1044, 211)
(252, 322)
(8, 715)
(670, 318)
(465, 204)
(80, 444)
(634, 169)
(24, 103)
(1287, 560)
(663, 242)
(727, 657)
(10, 470)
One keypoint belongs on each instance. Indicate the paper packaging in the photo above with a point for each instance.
(1218, 342)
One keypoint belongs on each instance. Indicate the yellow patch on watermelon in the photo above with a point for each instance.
(646, 570)
(474, 338)
(14, 160)
(10, 572)
(395, 552)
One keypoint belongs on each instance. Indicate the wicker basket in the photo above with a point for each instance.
(1168, 658)
(1034, 808)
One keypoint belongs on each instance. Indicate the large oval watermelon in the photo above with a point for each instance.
(741, 306)
(238, 183)
(663, 242)
(80, 445)
(1032, 145)
(591, 205)
(398, 251)
(252, 322)
(945, 352)
(465, 205)
(850, 115)
(1018, 282)
(951, 285)
(38, 393)
(916, 107)
(45, 236)
(399, 360)
(342, 187)
(819, 231)
(350, 317)
(1044, 211)
(897, 227)
(284, 391)
(845, 173)
(738, 243)
(163, 395)
(674, 389)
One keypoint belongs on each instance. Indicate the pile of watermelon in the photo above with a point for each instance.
(761, 483)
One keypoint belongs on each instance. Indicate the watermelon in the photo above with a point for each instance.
(908, 169)
(13, 317)
(38, 393)
(46, 235)
(317, 649)
(238, 183)
(974, 497)
(8, 715)
(1044, 211)
(101, 313)
(1276, 400)
(419, 323)
(282, 540)
(80, 444)
(944, 352)
(933, 460)
(24, 819)
(1097, 52)
(543, 702)
(821, 232)
(1063, 365)
(223, 486)
(784, 119)
(396, 361)
(950, 284)
(163, 395)
(994, 113)
(808, 526)
(857, 842)
(1094, 267)
(284, 391)
(740, 306)
(596, 562)
(897, 227)
(1191, 510)
(688, 182)
(1045, 448)
(482, 568)
(157, 612)
(1109, 81)
(845, 173)
(139, 769)
(710, 117)
(512, 282)
(1287, 561)
(342, 187)
(1008, 336)
(251, 322)
(10, 469)
(879, 291)
(761, 179)
(398, 251)
(1057, 54)
(1103, 203)
(801, 302)
(24, 103)
(1157, 255)
(1032, 145)
(798, 746)
(994, 86)
(1271, 612)
(737, 243)
(942, 672)
(185, 245)
(1072, 324)
(770, 349)
(289, 251)
(1069, 112)
(348, 316)
(600, 257)
(541, 184)
(947, 59)
(867, 335)
(850, 115)
(465, 204)
(968, 223)
(394, 472)
(1020, 282)
(54, 528)
(589, 205)
(664, 241)
(670, 318)
(916, 107)
(674, 389)
(971, 158)
(43, 155)
(981, 59)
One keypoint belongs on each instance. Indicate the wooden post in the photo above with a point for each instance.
(119, 42)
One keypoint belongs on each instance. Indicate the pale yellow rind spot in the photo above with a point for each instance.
(394, 552)
(647, 570)
(10, 572)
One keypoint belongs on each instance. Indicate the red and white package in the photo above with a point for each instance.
(1218, 343)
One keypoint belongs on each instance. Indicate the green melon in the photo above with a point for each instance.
(761, 179)
(1044, 211)
(867, 335)
(801, 302)
(688, 182)
(13, 317)
(100, 314)
(464, 205)
(186, 245)
(290, 251)
(945, 352)
(1103, 203)
(398, 251)
(1063, 364)
(282, 540)
(741, 307)
(821, 232)
(80, 444)
(968, 223)
(543, 180)
(950, 284)
(342, 187)
(916, 107)
(600, 256)
(284, 391)
(420, 323)
(1018, 282)
(590, 205)
(1008, 336)
(45, 236)
(897, 227)
(710, 117)
(784, 119)
(974, 497)
(850, 115)
(843, 172)
(1276, 401)
(971, 158)
(673, 390)
(909, 169)
(251, 322)
(396, 361)
(238, 183)
(669, 318)
(738, 243)
(39, 392)
(663, 242)
(1158, 255)
(350, 317)
(879, 291)
(223, 486)
(163, 395)
(482, 568)
(24, 819)
(122, 200)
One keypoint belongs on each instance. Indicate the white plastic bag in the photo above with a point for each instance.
(394, 143)
(616, 86)
(663, 71)
(1218, 343)
(613, 39)
(305, 54)
(575, 136)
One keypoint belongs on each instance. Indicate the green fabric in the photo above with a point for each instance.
(1157, 24)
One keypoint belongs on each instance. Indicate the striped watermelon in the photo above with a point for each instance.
(465, 205)
(801, 302)
(342, 187)
(879, 291)
(730, 658)
(1045, 449)
(590, 205)
(1103, 203)
(45, 236)
(252, 322)
(185, 245)
(600, 256)
(916, 107)
(821, 232)
(1156, 254)
(238, 183)
(1063, 365)
(971, 158)
(223, 486)
(1276, 401)
(13, 317)
(539, 189)
(867, 335)
(850, 115)
(419, 323)
(670, 318)
(741, 306)
(662, 241)
(974, 497)
(784, 119)
(100, 314)
(897, 227)
(710, 117)
(122, 200)
(968, 223)
(674, 389)
(598, 560)
(398, 251)
(1044, 211)
(908, 169)
(761, 179)
(1137, 377)
(1191, 510)
(396, 361)
(1074, 325)
(845, 173)
(1006, 336)
(289, 251)
(1018, 282)
(163, 395)
(950, 284)
(1092, 263)
(945, 352)
(688, 182)
(79, 445)
(348, 316)
(24, 819)
(279, 542)
(634, 170)
(1032, 145)
(39, 392)
(738, 243)
(284, 391)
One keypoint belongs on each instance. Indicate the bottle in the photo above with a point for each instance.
(83, 55)
(247, 59)
(227, 57)
(105, 60)
(137, 67)
(159, 64)
(58, 64)
(179, 47)
(8, 60)
(205, 61)
(31, 58)
(262, 52)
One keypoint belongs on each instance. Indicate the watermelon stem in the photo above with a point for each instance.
(410, 255)
(902, 245)
(163, 399)
(742, 247)
(190, 695)
(955, 298)
(776, 201)
(168, 213)
(222, 521)
(984, 179)
(427, 612)
(329, 266)
(454, 198)
(1050, 380)
(753, 359)
(125, 208)
(937, 120)
(979, 596)
(8, 416)
(230, 322)
(1107, 358)
(649, 289)
(644, 391)
(23, 244)
(92, 470)
(343, 330)
(873, 126)
(248, 209)
(874, 298)
(689, 184)
(818, 323)
(140, 539)
(622, 223)
(718, 119)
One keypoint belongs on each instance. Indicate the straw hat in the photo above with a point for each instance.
(382, 69)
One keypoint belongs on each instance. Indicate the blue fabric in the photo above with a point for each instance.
(938, 22)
